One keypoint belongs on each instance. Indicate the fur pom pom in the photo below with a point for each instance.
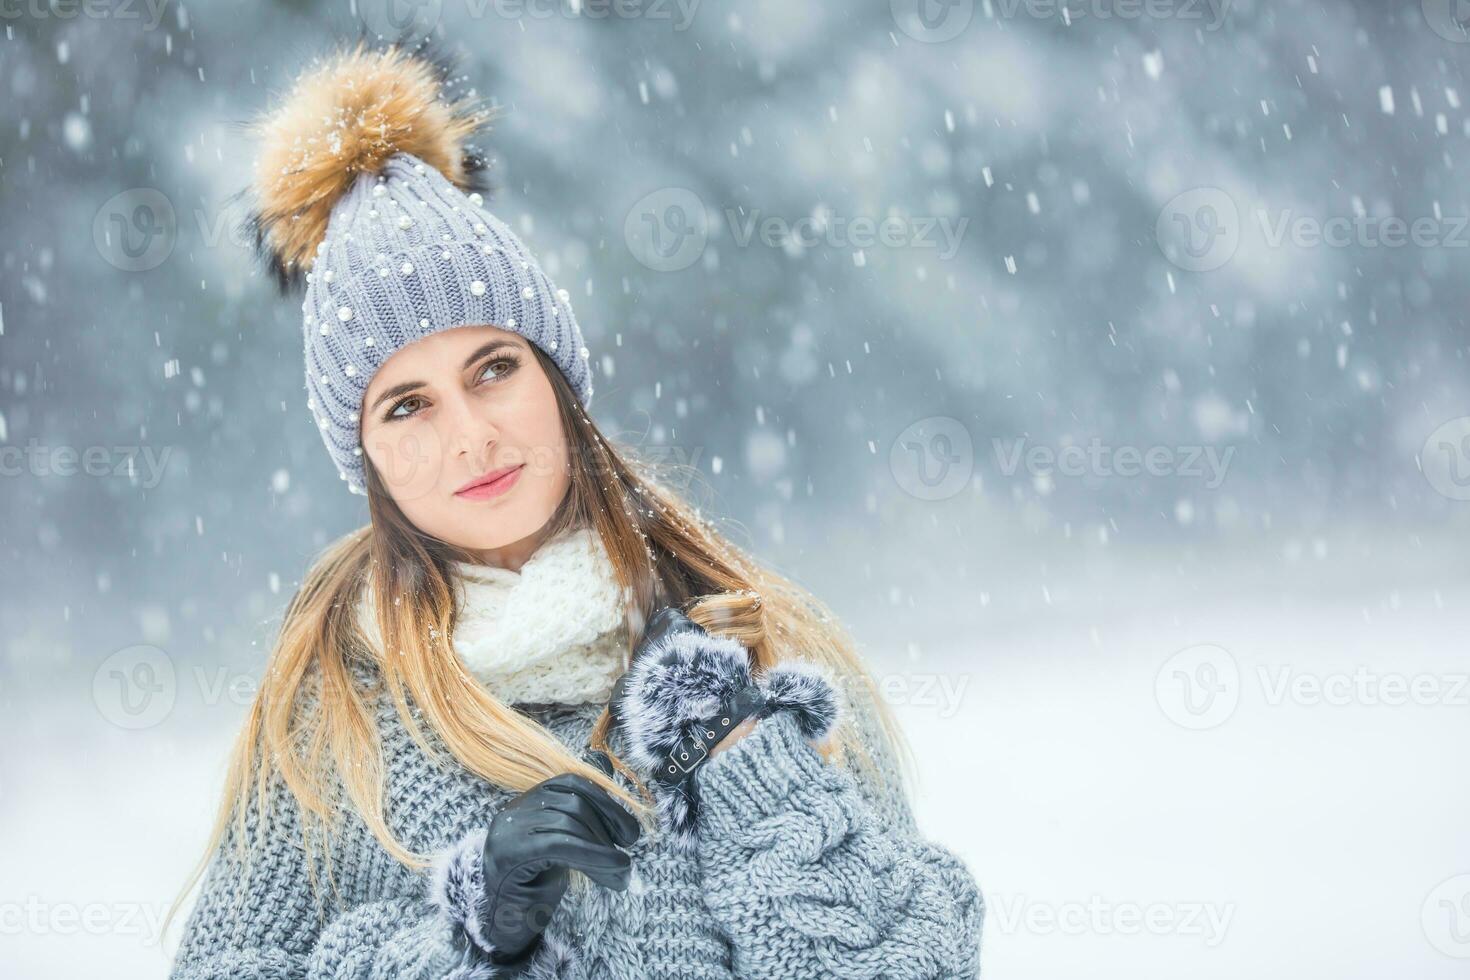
(806, 691)
(345, 116)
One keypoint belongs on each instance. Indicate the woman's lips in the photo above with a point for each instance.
(483, 491)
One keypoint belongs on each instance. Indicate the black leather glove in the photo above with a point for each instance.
(533, 841)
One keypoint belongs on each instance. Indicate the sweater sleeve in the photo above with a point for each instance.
(267, 926)
(816, 871)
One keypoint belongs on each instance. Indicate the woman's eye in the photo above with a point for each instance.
(509, 362)
(393, 412)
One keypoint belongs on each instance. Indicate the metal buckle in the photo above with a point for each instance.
(693, 749)
(690, 752)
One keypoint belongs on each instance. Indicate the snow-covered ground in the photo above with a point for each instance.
(1287, 820)
(1296, 838)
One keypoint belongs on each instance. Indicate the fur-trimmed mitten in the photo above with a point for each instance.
(685, 690)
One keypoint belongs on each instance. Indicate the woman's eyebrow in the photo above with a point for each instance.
(407, 386)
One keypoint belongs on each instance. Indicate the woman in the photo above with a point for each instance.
(451, 721)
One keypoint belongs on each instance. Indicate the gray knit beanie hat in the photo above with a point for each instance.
(366, 189)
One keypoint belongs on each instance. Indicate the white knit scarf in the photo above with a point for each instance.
(550, 632)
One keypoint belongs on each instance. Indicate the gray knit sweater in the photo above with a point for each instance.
(801, 869)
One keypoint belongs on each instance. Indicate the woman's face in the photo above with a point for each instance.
(452, 408)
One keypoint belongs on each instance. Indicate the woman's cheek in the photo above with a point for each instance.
(409, 457)
(545, 461)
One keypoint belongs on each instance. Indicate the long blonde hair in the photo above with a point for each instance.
(663, 552)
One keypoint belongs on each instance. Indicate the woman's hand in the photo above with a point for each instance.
(533, 841)
(689, 695)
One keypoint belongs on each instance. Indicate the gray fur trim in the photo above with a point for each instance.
(478, 970)
(457, 886)
(678, 814)
(680, 678)
(685, 676)
(805, 689)
(553, 961)
(457, 889)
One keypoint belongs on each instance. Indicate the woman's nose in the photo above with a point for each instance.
(472, 436)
